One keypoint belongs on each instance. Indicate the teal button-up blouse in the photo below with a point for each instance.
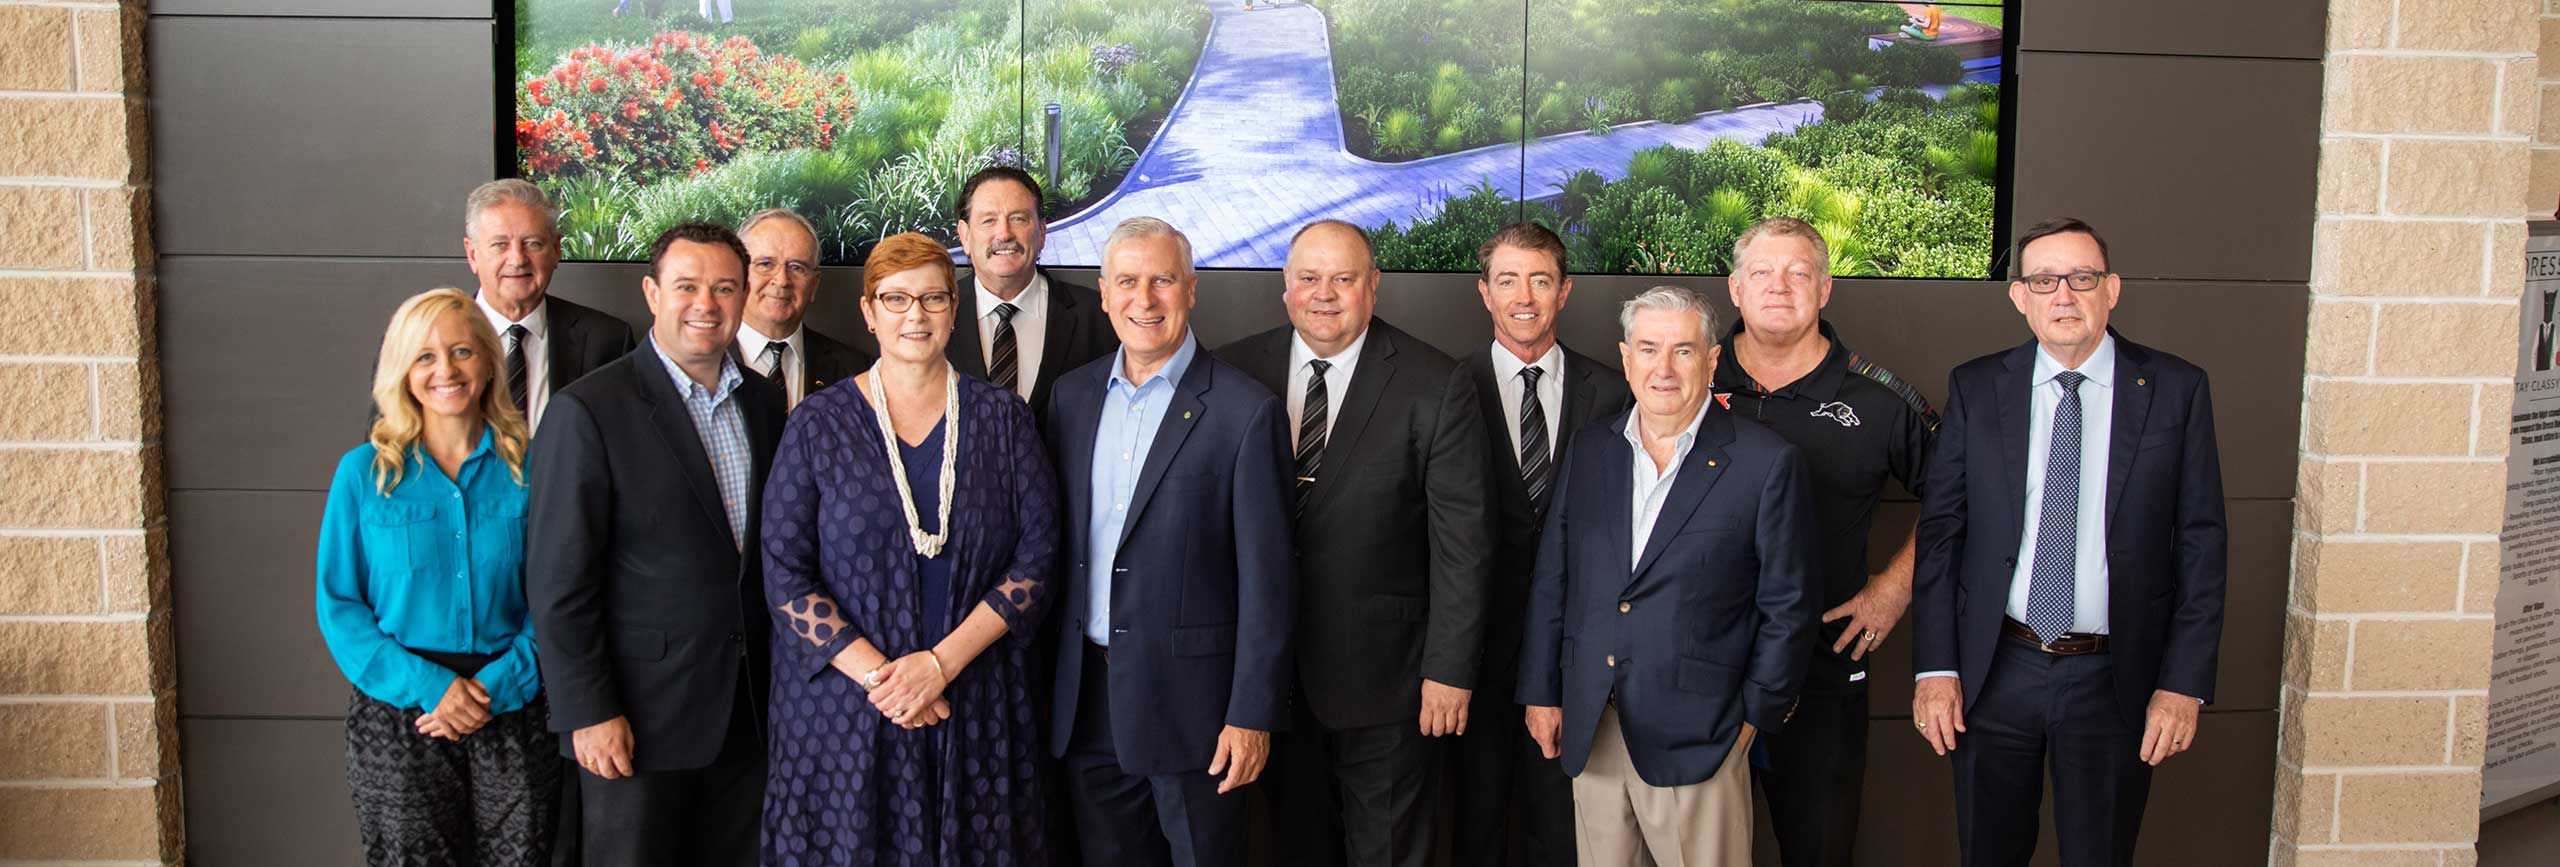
(437, 565)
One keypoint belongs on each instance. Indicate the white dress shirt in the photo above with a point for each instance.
(1030, 329)
(794, 377)
(1337, 381)
(2097, 428)
(1652, 487)
(1506, 378)
(537, 357)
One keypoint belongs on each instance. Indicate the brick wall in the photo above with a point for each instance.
(88, 764)
(2428, 113)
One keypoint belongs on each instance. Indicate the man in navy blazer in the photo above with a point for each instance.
(1173, 651)
(2067, 606)
(1672, 604)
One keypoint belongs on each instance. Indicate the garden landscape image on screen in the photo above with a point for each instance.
(1648, 134)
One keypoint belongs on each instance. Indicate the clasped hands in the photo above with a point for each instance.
(907, 690)
(463, 710)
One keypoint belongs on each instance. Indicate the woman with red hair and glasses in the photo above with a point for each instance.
(910, 528)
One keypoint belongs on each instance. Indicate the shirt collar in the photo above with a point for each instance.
(1821, 383)
(685, 386)
(533, 322)
(751, 342)
(1635, 428)
(1507, 367)
(1031, 298)
(488, 443)
(1300, 353)
(2100, 367)
(1171, 372)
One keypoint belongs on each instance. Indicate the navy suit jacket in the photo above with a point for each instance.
(1203, 593)
(2166, 543)
(1709, 630)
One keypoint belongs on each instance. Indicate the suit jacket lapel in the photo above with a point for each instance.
(1579, 393)
(1616, 488)
(560, 349)
(2014, 391)
(1064, 329)
(1699, 471)
(963, 349)
(1076, 432)
(1496, 413)
(2132, 411)
(675, 426)
(1171, 431)
(1369, 379)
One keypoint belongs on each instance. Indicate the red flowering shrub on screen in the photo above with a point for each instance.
(681, 104)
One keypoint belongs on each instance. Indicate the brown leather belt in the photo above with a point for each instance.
(2070, 644)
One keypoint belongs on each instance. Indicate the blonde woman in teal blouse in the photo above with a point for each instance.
(421, 601)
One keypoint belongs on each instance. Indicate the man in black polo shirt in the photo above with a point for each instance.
(1857, 425)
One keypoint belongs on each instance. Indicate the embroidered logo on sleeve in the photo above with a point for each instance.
(1839, 412)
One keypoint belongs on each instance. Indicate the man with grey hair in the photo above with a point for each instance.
(511, 237)
(782, 281)
(1173, 649)
(1858, 425)
(1681, 557)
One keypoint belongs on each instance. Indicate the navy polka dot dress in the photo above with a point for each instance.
(846, 786)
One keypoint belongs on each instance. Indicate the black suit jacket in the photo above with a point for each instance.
(1394, 540)
(642, 604)
(1077, 332)
(1202, 592)
(1707, 630)
(830, 361)
(582, 339)
(1592, 390)
(2166, 543)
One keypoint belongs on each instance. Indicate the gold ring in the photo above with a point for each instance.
(1923, 726)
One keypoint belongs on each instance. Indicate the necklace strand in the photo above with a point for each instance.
(928, 545)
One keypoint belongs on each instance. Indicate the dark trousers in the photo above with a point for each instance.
(1817, 771)
(484, 800)
(1496, 768)
(1129, 820)
(2040, 712)
(698, 817)
(1359, 797)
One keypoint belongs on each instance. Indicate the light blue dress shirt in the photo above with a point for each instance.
(723, 428)
(1130, 416)
(1652, 488)
(436, 565)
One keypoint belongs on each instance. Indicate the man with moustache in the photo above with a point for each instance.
(1019, 327)
(1672, 600)
(1173, 656)
(1393, 533)
(782, 281)
(2067, 608)
(1783, 366)
(640, 576)
(1534, 394)
(511, 237)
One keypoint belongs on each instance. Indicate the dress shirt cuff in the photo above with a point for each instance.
(1929, 674)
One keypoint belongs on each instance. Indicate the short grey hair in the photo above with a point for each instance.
(508, 191)
(1147, 229)
(794, 217)
(1785, 227)
(1676, 299)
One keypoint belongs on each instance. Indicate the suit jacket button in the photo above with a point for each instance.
(1624, 607)
(1612, 661)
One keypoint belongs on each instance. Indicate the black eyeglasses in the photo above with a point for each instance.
(898, 302)
(2083, 280)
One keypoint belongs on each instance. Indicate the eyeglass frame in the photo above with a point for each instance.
(762, 265)
(2095, 277)
(949, 299)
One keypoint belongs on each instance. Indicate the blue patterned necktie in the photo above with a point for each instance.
(2050, 595)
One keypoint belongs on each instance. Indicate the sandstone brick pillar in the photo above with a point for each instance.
(2417, 265)
(88, 759)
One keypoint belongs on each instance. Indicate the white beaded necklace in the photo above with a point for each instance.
(927, 544)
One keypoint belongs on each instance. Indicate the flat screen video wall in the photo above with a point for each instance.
(1648, 133)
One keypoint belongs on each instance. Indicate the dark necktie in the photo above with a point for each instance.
(1535, 465)
(1311, 433)
(516, 385)
(1004, 368)
(771, 364)
(2050, 583)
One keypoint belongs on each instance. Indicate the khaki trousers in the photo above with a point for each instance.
(1619, 821)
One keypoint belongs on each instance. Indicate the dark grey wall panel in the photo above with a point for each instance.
(262, 793)
(2221, 28)
(318, 137)
(331, 8)
(2195, 168)
(248, 638)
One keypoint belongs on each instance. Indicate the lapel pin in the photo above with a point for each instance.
(1186, 413)
(2141, 381)
(1711, 462)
